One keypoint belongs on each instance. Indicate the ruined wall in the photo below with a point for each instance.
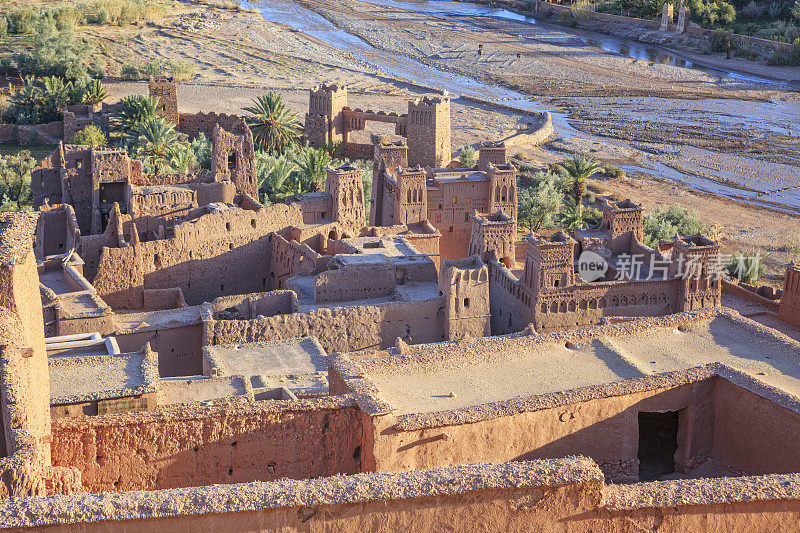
(341, 329)
(581, 305)
(198, 259)
(208, 445)
(193, 124)
(355, 282)
(57, 231)
(165, 89)
(509, 301)
(24, 376)
(605, 429)
(289, 258)
(233, 158)
(450, 205)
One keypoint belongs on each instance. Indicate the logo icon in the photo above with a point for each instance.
(591, 266)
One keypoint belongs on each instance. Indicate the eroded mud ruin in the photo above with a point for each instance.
(399, 362)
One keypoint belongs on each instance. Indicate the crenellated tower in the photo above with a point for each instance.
(347, 190)
(428, 132)
(464, 284)
(624, 222)
(325, 120)
(696, 264)
(165, 88)
(411, 196)
(388, 156)
(503, 189)
(493, 237)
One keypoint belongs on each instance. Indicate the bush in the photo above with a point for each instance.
(181, 69)
(721, 40)
(56, 52)
(21, 21)
(102, 16)
(712, 13)
(752, 10)
(15, 181)
(789, 57)
(540, 204)
(664, 224)
(746, 266)
(468, 157)
(130, 72)
(153, 68)
(97, 69)
(91, 136)
(3, 27)
(613, 171)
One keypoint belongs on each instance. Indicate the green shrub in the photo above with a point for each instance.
(91, 136)
(746, 266)
(789, 57)
(102, 16)
(130, 72)
(97, 69)
(664, 224)
(720, 40)
(613, 171)
(15, 181)
(181, 69)
(153, 68)
(468, 157)
(3, 27)
(55, 52)
(21, 21)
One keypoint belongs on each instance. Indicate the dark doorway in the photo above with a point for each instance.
(658, 442)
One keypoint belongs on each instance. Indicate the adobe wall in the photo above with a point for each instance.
(451, 218)
(24, 376)
(198, 259)
(751, 433)
(340, 329)
(180, 351)
(789, 310)
(605, 429)
(289, 258)
(57, 230)
(234, 443)
(537, 496)
(549, 496)
(193, 124)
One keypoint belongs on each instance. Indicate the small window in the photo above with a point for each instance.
(555, 283)
(451, 229)
(469, 200)
(228, 226)
(455, 199)
(253, 222)
(466, 302)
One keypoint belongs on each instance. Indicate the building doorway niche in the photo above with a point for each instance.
(658, 442)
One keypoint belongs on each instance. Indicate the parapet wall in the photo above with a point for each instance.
(557, 495)
(233, 443)
(340, 329)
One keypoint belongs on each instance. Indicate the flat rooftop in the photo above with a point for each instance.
(292, 363)
(88, 378)
(450, 376)
(196, 389)
(152, 320)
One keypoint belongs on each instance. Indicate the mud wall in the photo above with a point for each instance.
(211, 445)
(751, 438)
(289, 258)
(221, 253)
(341, 329)
(180, 351)
(605, 429)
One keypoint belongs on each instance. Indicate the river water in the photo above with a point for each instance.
(772, 117)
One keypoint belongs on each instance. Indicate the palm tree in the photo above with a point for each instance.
(273, 174)
(579, 169)
(25, 102)
(94, 93)
(134, 111)
(571, 217)
(55, 95)
(274, 127)
(313, 163)
(155, 142)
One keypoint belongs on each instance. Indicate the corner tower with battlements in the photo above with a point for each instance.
(493, 237)
(347, 192)
(325, 121)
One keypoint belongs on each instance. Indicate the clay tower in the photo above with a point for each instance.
(428, 132)
(345, 186)
(165, 88)
(464, 284)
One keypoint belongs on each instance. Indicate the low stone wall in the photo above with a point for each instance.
(231, 443)
(730, 287)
